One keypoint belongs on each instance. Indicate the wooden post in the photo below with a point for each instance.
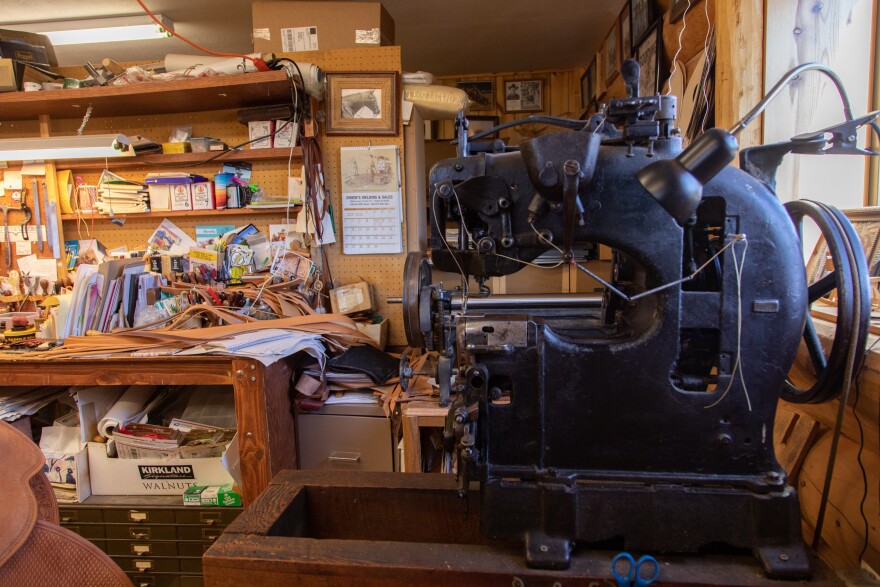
(739, 65)
(52, 195)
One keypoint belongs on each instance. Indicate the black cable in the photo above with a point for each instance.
(861, 448)
(554, 120)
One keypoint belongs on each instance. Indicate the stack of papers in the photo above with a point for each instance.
(186, 440)
(120, 196)
(17, 404)
(266, 345)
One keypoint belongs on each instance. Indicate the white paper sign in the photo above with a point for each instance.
(371, 201)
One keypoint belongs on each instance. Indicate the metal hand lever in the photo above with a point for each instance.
(27, 215)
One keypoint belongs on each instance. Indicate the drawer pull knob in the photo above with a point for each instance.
(345, 457)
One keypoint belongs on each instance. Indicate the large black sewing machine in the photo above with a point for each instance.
(644, 412)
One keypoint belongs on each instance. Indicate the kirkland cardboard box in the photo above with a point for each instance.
(319, 26)
(113, 476)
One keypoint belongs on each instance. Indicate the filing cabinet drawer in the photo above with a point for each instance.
(192, 581)
(349, 443)
(139, 516)
(206, 534)
(68, 515)
(88, 531)
(142, 548)
(207, 516)
(191, 565)
(127, 532)
(144, 565)
(193, 548)
(154, 580)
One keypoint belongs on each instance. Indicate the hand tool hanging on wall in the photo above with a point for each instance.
(37, 214)
(27, 215)
(51, 211)
(5, 210)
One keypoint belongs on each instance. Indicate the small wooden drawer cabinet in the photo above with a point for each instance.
(156, 540)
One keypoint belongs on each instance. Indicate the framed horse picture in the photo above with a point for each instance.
(363, 103)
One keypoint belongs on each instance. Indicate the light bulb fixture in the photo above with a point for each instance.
(100, 30)
(77, 147)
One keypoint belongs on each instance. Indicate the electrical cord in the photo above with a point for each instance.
(258, 63)
(678, 51)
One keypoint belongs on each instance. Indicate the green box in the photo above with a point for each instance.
(217, 496)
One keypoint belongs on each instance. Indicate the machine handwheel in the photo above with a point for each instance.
(416, 276)
(843, 243)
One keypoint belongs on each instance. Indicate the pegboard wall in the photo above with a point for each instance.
(384, 272)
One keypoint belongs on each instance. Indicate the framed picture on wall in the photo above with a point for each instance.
(478, 124)
(588, 85)
(481, 94)
(648, 56)
(644, 13)
(625, 20)
(362, 103)
(611, 55)
(524, 95)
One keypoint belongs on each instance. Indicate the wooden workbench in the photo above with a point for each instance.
(262, 399)
(326, 528)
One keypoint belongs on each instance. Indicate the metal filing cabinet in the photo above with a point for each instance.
(155, 539)
(356, 437)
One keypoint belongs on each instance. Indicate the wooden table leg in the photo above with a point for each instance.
(267, 437)
(412, 444)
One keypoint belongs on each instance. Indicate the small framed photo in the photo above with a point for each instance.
(648, 56)
(626, 46)
(362, 103)
(481, 94)
(478, 124)
(524, 95)
(588, 85)
(611, 54)
(644, 13)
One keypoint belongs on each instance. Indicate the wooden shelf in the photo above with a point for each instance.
(159, 159)
(172, 213)
(172, 97)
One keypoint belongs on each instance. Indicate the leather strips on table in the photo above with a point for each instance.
(338, 333)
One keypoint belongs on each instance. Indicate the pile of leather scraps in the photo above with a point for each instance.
(264, 301)
(337, 332)
(366, 369)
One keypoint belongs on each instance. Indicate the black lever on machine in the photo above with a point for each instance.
(631, 72)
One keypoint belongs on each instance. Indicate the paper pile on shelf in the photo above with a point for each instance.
(16, 404)
(147, 441)
(117, 195)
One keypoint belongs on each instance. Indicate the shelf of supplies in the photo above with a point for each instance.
(162, 160)
(171, 97)
(172, 213)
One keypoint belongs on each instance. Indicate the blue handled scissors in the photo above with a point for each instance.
(633, 574)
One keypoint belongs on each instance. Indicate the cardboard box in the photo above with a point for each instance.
(111, 476)
(181, 197)
(203, 195)
(285, 134)
(351, 299)
(8, 82)
(319, 26)
(42, 51)
(262, 130)
(378, 332)
(160, 196)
